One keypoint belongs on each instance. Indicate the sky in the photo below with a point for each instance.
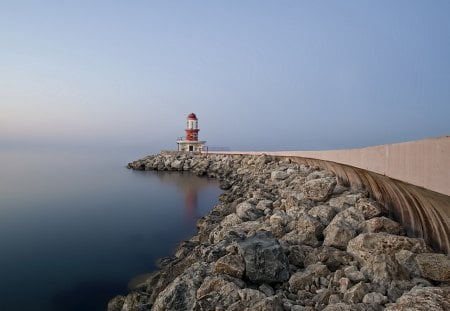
(260, 75)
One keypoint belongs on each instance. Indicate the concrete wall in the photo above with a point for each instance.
(412, 179)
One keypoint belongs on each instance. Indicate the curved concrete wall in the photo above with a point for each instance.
(412, 179)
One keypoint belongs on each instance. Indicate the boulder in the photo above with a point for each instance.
(117, 302)
(323, 213)
(247, 211)
(365, 246)
(301, 280)
(265, 261)
(298, 253)
(383, 224)
(278, 175)
(375, 298)
(230, 264)
(344, 227)
(177, 165)
(318, 189)
(423, 299)
(434, 266)
(332, 257)
(181, 292)
(407, 260)
(338, 235)
(250, 297)
(356, 293)
(370, 208)
(383, 268)
(273, 303)
(353, 274)
(215, 293)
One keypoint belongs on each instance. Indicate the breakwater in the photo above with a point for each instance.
(289, 236)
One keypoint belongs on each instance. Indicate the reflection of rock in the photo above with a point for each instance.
(190, 184)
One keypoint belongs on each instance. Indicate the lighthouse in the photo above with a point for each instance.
(191, 142)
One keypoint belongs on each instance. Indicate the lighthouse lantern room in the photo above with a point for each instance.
(191, 142)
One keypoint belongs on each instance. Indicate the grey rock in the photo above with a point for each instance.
(423, 299)
(354, 274)
(300, 280)
(365, 246)
(319, 189)
(338, 235)
(298, 253)
(279, 175)
(180, 294)
(375, 298)
(324, 213)
(338, 307)
(265, 261)
(333, 258)
(370, 208)
(215, 293)
(267, 290)
(407, 260)
(383, 224)
(356, 293)
(383, 268)
(434, 266)
(344, 227)
(230, 264)
(117, 302)
(247, 211)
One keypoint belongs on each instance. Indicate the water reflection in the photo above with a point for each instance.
(191, 185)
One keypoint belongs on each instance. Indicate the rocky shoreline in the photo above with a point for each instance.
(286, 236)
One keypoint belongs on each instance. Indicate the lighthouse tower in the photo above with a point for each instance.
(191, 142)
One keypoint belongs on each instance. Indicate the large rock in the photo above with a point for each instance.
(423, 299)
(344, 227)
(279, 175)
(370, 208)
(265, 261)
(307, 230)
(180, 294)
(302, 280)
(356, 293)
(247, 211)
(383, 268)
(338, 235)
(215, 293)
(319, 189)
(230, 264)
(365, 246)
(434, 266)
(324, 213)
(383, 224)
(333, 258)
(375, 298)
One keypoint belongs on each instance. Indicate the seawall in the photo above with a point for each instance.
(412, 179)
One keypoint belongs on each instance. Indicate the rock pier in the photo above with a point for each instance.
(286, 236)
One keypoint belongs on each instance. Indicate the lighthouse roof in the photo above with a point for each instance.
(192, 116)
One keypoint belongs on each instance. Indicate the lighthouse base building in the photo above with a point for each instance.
(192, 146)
(191, 142)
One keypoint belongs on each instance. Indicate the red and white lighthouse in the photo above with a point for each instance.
(191, 142)
(192, 127)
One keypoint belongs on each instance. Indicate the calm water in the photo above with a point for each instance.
(75, 226)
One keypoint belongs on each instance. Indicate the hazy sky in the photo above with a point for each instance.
(258, 74)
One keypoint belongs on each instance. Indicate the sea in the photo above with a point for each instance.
(76, 225)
